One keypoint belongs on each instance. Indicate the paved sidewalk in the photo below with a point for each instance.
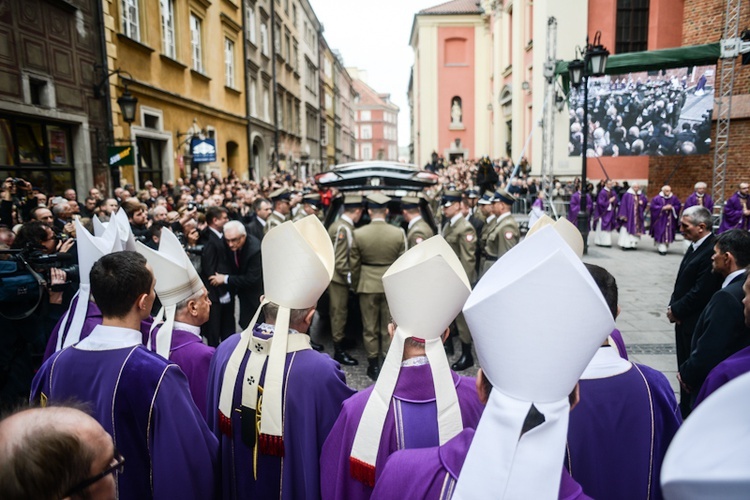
(645, 280)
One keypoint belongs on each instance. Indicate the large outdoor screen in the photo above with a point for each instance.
(655, 113)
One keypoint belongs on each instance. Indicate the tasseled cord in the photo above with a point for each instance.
(272, 445)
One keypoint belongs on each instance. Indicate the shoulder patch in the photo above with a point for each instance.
(508, 235)
(470, 237)
(341, 235)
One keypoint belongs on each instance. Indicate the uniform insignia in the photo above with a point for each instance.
(469, 237)
(341, 236)
(508, 235)
(419, 240)
(43, 400)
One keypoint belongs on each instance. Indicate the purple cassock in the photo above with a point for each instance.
(144, 402)
(432, 473)
(703, 201)
(411, 423)
(621, 428)
(664, 222)
(193, 357)
(732, 218)
(606, 210)
(314, 389)
(575, 207)
(630, 212)
(735, 365)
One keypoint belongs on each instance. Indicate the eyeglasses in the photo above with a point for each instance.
(117, 466)
(234, 240)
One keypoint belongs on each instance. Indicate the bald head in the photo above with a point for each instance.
(46, 452)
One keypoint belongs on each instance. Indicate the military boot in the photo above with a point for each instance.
(373, 370)
(342, 356)
(466, 360)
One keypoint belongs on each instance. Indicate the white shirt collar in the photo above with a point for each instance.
(731, 276)
(606, 363)
(217, 233)
(698, 243)
(195, 330)
(105, 338)
(455, 218)
(347, 219)
(414, 221)
(262, 222)
(490, 218)
(503, 216)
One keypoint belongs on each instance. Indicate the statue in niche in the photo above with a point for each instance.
(456, 112)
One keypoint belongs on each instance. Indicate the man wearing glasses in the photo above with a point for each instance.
(57, 452)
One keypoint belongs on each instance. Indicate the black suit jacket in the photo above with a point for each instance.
(719, 333)
(213, 260)
(694, 286)
(255, 228)
(246, 280)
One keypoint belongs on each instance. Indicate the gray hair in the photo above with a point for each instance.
(236, 226)
(700, 184)
(698, 215)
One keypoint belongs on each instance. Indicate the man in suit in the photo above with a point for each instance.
(342, 235)
(245, 273)
(375, 247)
(418, 230)
(281, 199)
(257, 226)
(461, 236)
(694, 286)
(220, 323)
(504, 235)
(720, 330)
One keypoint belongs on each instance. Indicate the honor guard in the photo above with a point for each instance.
(281, 199)
(376, 246)
(485, 208)
(342, 235)
(418, 229)
(504, 235)
(311, 205)
(461, 236)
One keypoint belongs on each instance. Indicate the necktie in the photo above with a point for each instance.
(236, 259)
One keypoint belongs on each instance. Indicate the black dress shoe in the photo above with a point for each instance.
(316, 346)
(373, 370)
(343, 357)
(466, 360)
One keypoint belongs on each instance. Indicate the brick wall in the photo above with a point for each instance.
(704, 23)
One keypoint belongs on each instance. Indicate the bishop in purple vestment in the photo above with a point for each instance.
(619, 432)
(630, 215)
(736, 210)
(314, 389)
(605, 214)
(93, 318)
(665, 208)
(735, 365)
(410, 423)
(700, 198)
(575, 207)
(141, 399)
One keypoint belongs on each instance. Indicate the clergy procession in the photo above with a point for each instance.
(133, 401)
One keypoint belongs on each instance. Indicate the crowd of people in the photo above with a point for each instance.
(634, 117)
(144, 344)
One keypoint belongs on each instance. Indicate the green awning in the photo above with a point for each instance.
(678, 57)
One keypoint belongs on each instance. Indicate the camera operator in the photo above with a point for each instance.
(14, 193)
(23, 341)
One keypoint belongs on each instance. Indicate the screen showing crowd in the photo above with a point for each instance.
(655, 113)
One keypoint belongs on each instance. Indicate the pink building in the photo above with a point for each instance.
(376, 124)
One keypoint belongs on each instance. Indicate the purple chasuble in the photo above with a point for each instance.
(619, 432)
(575, 207)
(193, 357)
(93, 318)
(410, 423)
(144, 402)
(732, 217)
(735, 365)
(664, 222)
(606, 210)
(630, 214)
(314, 388)
(619, 343)
(432, 473)
(694, 200)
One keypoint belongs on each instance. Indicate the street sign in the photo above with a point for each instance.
(120, 155)
(203, 150)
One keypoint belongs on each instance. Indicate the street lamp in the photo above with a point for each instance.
(594, 63)
(127, 103)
